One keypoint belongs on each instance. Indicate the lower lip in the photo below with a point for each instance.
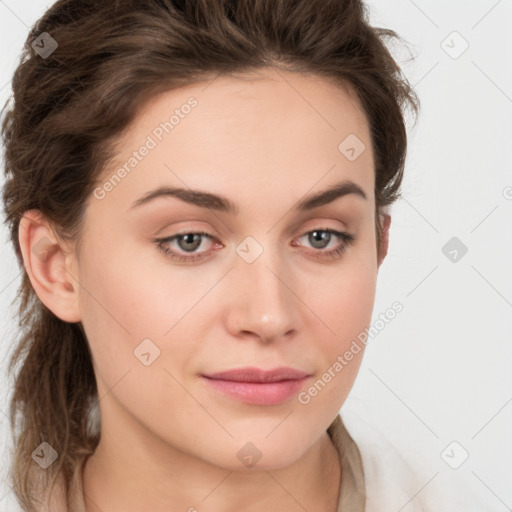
(258, 393)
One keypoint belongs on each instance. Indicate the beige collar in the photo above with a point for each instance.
(352, 490)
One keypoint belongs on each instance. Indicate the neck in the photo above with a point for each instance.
(119, 479)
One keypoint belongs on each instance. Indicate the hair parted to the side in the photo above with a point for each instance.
(67, 111)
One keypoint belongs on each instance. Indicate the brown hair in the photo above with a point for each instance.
(69, 108)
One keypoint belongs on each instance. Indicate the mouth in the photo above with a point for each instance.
(258, 387)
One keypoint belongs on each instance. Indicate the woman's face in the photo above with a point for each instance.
(263, 289)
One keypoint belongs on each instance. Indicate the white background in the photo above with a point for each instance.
(441, 370)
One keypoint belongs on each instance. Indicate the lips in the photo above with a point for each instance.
(256, 386)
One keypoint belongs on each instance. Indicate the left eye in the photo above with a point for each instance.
(191, 241)
(318, 236)
(186, 242)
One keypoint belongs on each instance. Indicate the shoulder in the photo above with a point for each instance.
(393, 484)
(389, 479)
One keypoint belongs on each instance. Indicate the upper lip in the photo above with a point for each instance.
(252, 374)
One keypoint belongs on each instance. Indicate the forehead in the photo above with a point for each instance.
(270, 132)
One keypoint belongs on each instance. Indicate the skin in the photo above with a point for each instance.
(170, 442)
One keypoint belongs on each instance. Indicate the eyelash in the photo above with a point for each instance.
(347, 240)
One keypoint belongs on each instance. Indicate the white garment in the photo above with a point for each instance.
(393, 485)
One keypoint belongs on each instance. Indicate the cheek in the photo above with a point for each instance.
(346, 308)
(127, 300)
(346, 300)
(119, 305)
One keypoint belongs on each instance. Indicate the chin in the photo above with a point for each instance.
(259, 453)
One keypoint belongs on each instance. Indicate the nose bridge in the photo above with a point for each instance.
(262, 302)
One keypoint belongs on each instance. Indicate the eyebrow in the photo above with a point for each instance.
(220, 203)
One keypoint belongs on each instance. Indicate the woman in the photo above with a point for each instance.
(268, 135)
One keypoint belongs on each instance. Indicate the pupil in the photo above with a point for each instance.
(189, 243)
(320, 236)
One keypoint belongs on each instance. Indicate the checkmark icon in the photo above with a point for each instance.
(249, 249)
(45, 455)
(454, 45)
(44, 45)
(455, 455)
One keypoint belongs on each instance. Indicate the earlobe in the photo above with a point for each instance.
(384, 241)
(48, 266)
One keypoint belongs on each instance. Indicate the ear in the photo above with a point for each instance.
(48, 264)
(385, 222)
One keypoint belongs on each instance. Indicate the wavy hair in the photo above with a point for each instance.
(67, 110)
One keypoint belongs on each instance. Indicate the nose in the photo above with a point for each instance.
(262, 302)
